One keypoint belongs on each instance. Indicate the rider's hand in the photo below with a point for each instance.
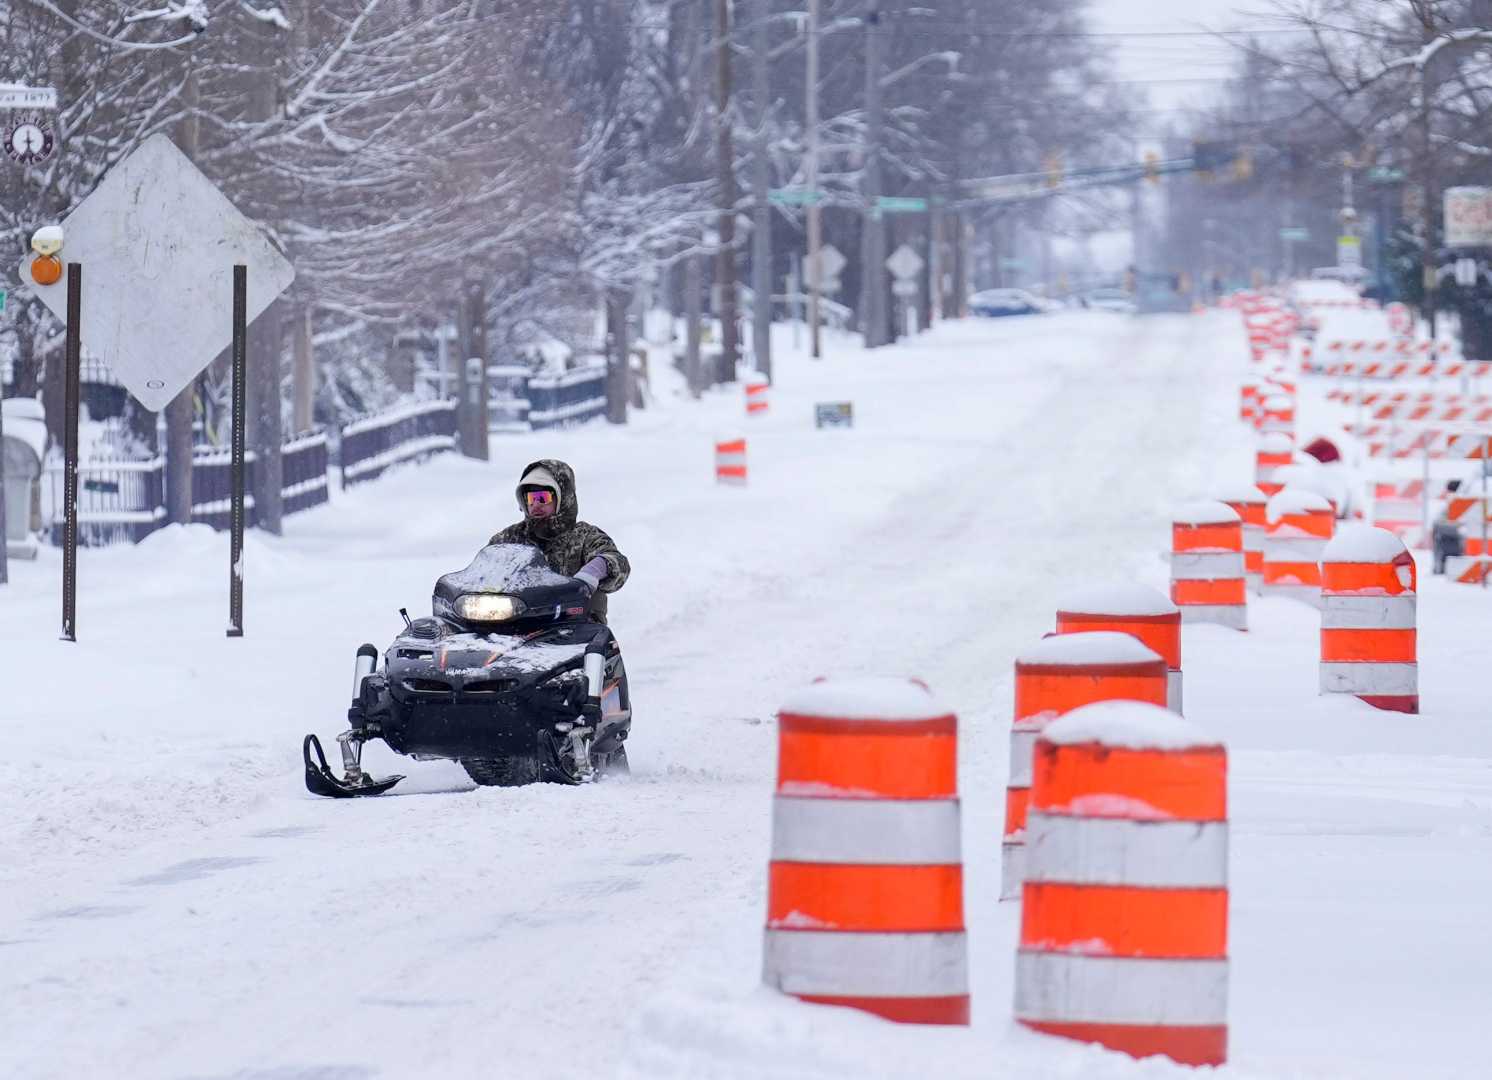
(592, 574)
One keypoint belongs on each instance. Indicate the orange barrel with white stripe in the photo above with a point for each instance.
(1248, 400)
(1057, 674)
(1277, 413)
(1207, 565)
(758, 397)
(865, 901)
(1369, 644)
(1248, 502)
(730, 462)
(1309, 475)
(1298, 525)
(1137, 610)
(1124, 913)
(1274, 450)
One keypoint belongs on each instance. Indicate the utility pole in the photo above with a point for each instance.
(1427, 166)
(725, 260)
(692, 286)
(815, 220)
(873, 244)
(761, 180)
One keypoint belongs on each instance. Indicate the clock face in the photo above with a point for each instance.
(29, 141)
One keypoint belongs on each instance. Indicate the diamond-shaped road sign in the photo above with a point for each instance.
(904, 263)
(826, 271)
(157, 242)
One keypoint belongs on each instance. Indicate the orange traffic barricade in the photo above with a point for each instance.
(1207, 581)
(1274, 450)
(1248, 502)
(865, 900)
(1298, 525)
(1124, 914)
(758, 398)
(1060, 673)
(1137, 610)
(1369, 636)
(730, 462)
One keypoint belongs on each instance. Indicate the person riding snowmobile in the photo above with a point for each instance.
(546, 495)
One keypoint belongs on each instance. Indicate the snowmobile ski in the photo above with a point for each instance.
(320, 780)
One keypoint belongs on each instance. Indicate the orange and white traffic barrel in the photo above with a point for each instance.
(730, 462)
(1274, 450)
(865, 902)
(1248, 400)
(1137, 610)
(1248, 502)
(1369, 644)
(1277, 413)
(1060, 673)
(1124, 912)
(1207, 565)
(1298, 525)
(758, 397)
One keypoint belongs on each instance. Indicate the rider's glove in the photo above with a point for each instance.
(593, 573)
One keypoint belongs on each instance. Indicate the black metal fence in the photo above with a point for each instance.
(404, 433)
(123, 501)
(519, 401)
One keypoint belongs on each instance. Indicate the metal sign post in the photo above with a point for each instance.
(236, 513)
(73, 360)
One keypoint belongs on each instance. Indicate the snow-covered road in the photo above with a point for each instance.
(173, 905)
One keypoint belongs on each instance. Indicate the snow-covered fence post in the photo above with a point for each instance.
(1124, 911)
(1207, 564)
(1058, 674)
(1369, 643)
(865, 888)
(1136, 610)
(1298, 525)
(1248, 502)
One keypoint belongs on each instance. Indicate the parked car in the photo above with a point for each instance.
(1116, 300)
(996, 303)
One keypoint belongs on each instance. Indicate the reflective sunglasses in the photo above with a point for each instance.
(539, 501)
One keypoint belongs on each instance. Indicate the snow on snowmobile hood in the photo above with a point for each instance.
(568, 513)
(504, 567)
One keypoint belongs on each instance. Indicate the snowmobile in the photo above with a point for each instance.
(511, 676)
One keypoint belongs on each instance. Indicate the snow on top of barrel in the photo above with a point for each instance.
(1088, 647)
(875, 697)
(1363, 544)
(1294, 500)
(1118, 600)
(1133, 725)
(1276, 442)
(1278, 401)
(1240, 491)
(1204, 512)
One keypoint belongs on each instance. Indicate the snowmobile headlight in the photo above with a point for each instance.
(488, 607)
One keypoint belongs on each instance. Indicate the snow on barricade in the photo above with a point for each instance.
(1204, 512)
(866, 698)
(1128, 725)
(1276, 442)
(1295, 500)
(1091, 647)
(1134, 601)
(1363, 544)
(1240, 491)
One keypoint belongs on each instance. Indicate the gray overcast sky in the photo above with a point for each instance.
(1172, 59)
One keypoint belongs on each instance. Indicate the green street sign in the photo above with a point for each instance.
(1294, 232)
(1385, 174)
(897, 204)
(794, 196)
(2, 300)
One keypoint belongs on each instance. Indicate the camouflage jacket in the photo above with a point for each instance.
(568, 543)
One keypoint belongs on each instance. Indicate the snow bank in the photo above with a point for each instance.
(868, 698)
(1204, 512)
(1131, 600)
(1294, 500)
(25, 420)
(1307, 291)
(1363, 544)
(1133, 725)
(1089, 647)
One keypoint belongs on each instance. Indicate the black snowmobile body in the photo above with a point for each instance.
(511, 676)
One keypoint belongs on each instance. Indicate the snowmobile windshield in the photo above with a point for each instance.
(509, 584)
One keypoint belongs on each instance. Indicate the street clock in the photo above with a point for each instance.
(29, 140)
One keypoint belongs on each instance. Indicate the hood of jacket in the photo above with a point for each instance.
(564, 518)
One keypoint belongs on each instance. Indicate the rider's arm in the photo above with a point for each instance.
(596, 544)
